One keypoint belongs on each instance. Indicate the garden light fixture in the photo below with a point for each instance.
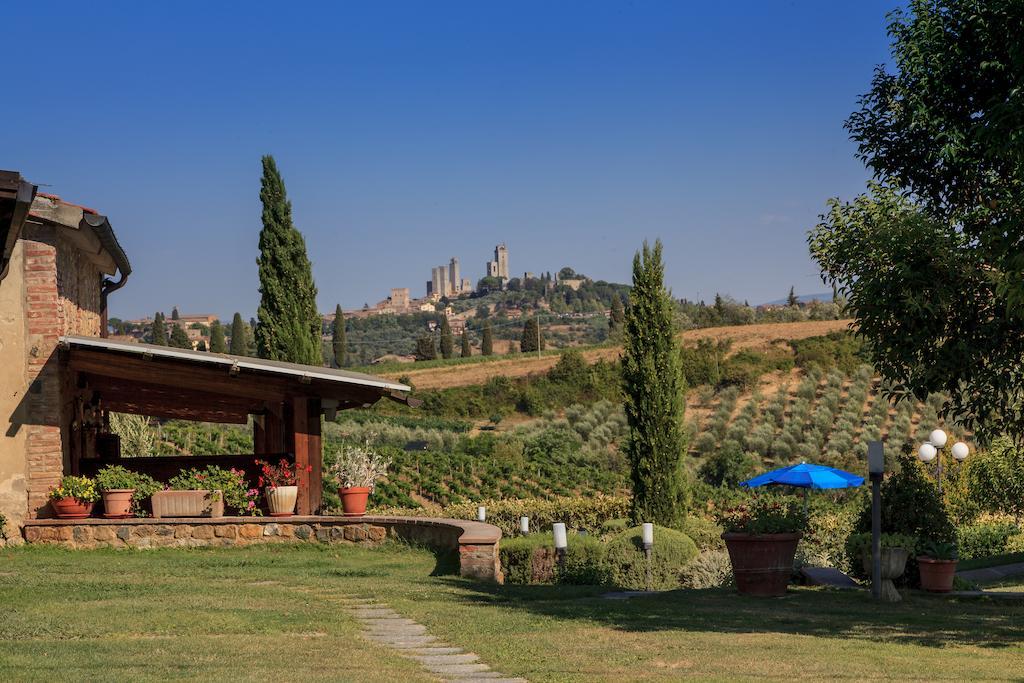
(927, 452)
(960, 451)
(930, 450)
(647, 536)
(481, 514)
(524, 525)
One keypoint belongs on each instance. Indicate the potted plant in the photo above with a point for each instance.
(937, 566)
(762, 537)
(74, 497)
(895, 550)
(117, 487)
(280, 484)
(356, 471)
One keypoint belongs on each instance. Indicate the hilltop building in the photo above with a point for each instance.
(499, 266)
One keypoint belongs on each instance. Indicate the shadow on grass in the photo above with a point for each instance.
(930, 621)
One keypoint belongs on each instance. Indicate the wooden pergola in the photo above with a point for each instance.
(285, 401)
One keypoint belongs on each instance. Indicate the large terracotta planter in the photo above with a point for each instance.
(117, 503)
(936, 575)
(762, 564)
(200, 503)
(281, 500)
(71, 508)
(353, 500)
(893, 564)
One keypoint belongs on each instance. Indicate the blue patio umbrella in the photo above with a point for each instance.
(806, 476)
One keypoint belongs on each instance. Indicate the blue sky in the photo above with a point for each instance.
(411, 132)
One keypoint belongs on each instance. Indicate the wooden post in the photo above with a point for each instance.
(268, 431)
(303, 439)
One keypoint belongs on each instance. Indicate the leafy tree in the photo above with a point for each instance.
(159, 330)
(616, 317)
(425, 347)
(487, 342)
(994, 479)
(467, 350)
(179, 339)
(238, 341)
(727, 466)
(930, 259)
(654, 388)
(483, 311)
(791, 300)
(174, 314)
(447, 342)
(201, 346)
(338, 342)
(217, 342)
(532, 339)
(289, 324)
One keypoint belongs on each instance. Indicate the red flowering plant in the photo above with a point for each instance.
(283, 473)
(763, 515)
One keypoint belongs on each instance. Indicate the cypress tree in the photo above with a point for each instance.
(338, 343)
(467, 350)
(487, 343)
(159, 330)
(617, 316)
(425, 348)
(217, 342)
(289, 325)
(179, 339)
(791, 300)
(532, 340)
(238, 345)
(447, 342)
(174, 314)
(654, 389)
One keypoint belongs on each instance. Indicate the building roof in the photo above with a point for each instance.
(258, 365)
(16, 195)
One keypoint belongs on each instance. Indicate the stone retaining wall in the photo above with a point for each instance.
(473, 544)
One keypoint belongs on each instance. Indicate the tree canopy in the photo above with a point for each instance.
(239, 347)
(338, 342)
(447, 341)
(217, 341)
(931, 258)
(289, 324)
(158, 332)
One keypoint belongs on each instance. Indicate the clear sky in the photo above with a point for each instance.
(411, 132)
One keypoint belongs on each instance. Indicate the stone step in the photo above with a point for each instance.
(387, 621)
(400, 642)
(458, 669)
(433, 651)
(398, 629)
(436, 660)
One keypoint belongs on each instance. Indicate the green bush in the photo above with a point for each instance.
(994, 478)
(532, 559)
(727, 466)
(627, 564)
(704, 532)
(710, 569)
(984, 540)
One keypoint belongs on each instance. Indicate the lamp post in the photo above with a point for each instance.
(647, 537)
(561, 541)
(524, 525)
(932, 450)
(876, 470)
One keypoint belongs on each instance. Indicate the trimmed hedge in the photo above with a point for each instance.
(627, 564)
(984, 540)
(531, 559)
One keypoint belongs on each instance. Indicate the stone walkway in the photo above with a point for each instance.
(410, 639)
(990, 574)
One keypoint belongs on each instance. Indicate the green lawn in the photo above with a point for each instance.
(273, 613)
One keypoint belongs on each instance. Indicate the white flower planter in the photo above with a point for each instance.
(281, 500)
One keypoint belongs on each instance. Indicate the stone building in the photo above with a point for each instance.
(56, 259)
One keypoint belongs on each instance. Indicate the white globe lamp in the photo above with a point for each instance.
(961, 451)
(926, 453)
(938, 438)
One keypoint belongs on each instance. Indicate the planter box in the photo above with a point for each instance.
(762, 564)
(188, 504)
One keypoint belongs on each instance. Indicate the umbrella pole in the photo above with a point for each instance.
(807, 516)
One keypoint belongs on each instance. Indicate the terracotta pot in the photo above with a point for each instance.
(71, 508)
(117, 503)
(201, 503)
(353, 500)
(936, 575)
(281, 500)
(762, 564)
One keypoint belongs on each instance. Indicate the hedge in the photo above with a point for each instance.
(627, 563)
(532, 559)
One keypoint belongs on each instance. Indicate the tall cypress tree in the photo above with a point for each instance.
(338, 343)
(487, 342)
(179, 339)
(791, 300)
(654, 388)
(159, 330)
(447, 342)
(616, 317)
(174, 314)
(532, 340)
(289, 325)
(467, 350)
(217, 342)
(425, 348)
(238, 345)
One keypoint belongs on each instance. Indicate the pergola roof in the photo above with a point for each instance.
(259, 365)
(146, 379)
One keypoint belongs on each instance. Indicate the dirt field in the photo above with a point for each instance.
(742, 336)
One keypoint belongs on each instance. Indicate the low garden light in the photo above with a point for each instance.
(647, 539)
(481, 514)
(561, 540)
(524, 525)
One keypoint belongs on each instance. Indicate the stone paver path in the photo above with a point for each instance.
(410, 639)
(989, 574)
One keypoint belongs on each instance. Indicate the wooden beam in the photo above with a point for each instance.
(304, 441)
(142, 398)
